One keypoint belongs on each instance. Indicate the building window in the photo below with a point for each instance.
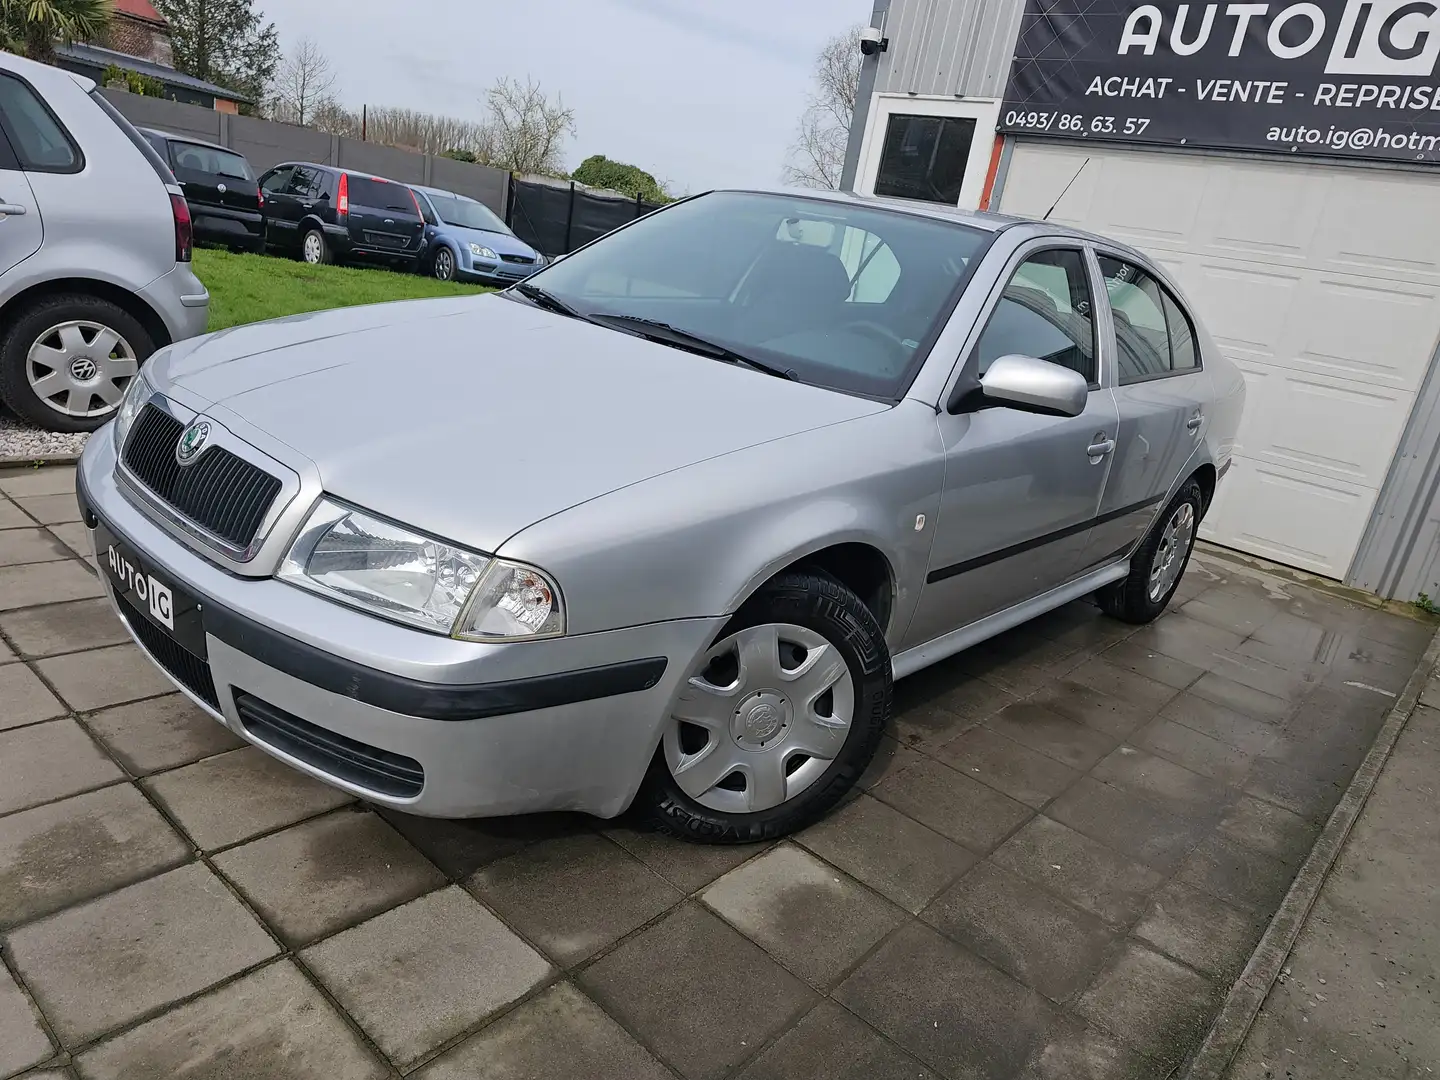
(924, 158)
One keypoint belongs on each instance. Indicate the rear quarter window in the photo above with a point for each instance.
(39, 140)
(162, 169)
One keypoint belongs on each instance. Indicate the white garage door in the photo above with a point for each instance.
(1321, 282)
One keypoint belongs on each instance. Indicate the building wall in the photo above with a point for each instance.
(945, 47)
(136, 37)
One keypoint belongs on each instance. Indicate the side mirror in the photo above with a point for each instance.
(1023, 382)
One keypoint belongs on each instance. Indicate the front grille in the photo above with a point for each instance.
(526, 259)
(357, 763)
(184, 667)
(222, 493)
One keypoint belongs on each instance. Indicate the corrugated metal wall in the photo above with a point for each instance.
(949, 47)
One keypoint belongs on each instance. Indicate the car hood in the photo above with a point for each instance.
(475, 418)
(498, 242)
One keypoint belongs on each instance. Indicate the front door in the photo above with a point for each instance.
(1021, 489)
(1159, 391)
(20, 227)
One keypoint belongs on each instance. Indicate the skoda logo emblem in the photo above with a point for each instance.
(192, 441)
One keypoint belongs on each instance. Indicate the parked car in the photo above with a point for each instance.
(324, 214)
(95, 241)
(225, 201)
(663, 522)
(465, 241)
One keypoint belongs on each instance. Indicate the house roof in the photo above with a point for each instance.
(139, 9)
(95, 56)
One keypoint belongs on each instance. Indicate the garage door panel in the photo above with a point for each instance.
(1259, 214)
(1369, 331)
(1258, 506)
(1150, 201)
(1390, 238)
(1329, 427)
(1246, 308)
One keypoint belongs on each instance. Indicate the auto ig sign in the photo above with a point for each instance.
(1335, 78)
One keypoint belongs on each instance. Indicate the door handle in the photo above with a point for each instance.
(11, 210)
(307, 206)
(1194, 422)
(1101, 446)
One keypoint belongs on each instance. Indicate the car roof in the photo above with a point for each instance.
(976, 219)
(442, 191)
(189, 139)
(342, 169)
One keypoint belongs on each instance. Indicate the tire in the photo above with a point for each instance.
(1159, 562)
(442, 266)
(315, 248)
(804, 609)
(50, 347)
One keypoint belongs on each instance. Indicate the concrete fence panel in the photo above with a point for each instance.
(477, 181)
(383, 161)
(265, 144)
(167, 115)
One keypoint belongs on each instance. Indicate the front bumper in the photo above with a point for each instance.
(568, 724)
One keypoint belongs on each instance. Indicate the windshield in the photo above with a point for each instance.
(466, 214)
(207, 159)
(842, 295)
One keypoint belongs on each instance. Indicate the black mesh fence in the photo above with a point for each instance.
(557, 220)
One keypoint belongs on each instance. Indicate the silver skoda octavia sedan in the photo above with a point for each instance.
(661, 524)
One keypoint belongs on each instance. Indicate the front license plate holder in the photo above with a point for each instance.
(152, 594)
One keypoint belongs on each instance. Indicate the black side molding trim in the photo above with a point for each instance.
(1225, 468)
(956, 569)
(429, 701)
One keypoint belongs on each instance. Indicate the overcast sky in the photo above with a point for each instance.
(698, 92)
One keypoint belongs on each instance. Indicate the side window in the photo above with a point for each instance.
(1184, 355)
(426, 210)
(1045, 312)
(306, 183)
(1153, 334)
(40, 143)
(276, 181)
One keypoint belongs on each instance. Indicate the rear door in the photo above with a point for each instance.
(27, 132)
(384, 216)
(1160, 392)
(280, 216)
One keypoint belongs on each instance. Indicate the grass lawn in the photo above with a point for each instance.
(249, 288)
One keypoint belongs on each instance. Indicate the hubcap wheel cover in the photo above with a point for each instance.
(80, 368)
(313, 248)
(1175, 540)
(777, 725)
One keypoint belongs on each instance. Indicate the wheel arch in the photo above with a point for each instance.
(1207, 477)
(123, 298)
(857, 563)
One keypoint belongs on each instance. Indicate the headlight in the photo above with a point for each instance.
(482, 252)
(397, 573)
(136, 394)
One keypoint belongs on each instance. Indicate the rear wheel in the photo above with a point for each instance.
(66, 361)
(1159, 562)
(315, 249)
(778, 719)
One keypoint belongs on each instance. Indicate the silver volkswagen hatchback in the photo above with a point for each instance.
(663, 523)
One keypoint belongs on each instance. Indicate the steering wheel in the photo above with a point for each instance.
(875, 330)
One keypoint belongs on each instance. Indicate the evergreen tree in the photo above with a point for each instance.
(224, 42)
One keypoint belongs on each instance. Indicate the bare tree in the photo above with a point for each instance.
(330, 116)
(304, 82)
(428, 132)
(526, 131)
(817, 158)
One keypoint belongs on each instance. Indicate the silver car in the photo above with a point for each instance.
(95, 242)
(663, 523)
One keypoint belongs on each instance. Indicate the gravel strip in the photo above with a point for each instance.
(21, 444)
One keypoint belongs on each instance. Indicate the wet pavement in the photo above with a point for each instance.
(1062, 858)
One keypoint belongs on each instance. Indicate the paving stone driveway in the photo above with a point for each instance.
(1063, 857)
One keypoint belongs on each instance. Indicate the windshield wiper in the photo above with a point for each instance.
(663, 332)
(549, 301)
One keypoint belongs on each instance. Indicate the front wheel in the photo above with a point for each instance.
(1159, 561)
(779, 718)
(443, 266)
